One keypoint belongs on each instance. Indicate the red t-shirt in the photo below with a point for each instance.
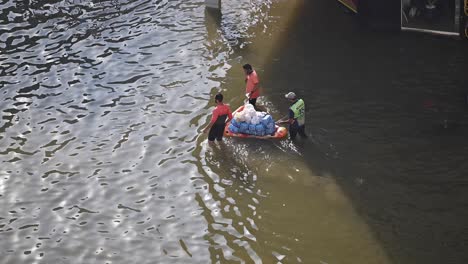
(221, 111)
(252, 80)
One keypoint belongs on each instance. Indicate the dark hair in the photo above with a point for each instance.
(247, 67)
(219, 97)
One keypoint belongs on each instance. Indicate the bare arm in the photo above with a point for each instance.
(212, 121)
(207, 128)
(289, 121)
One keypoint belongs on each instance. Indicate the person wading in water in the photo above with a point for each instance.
(296, 115)
(221, 115)
(251, 84)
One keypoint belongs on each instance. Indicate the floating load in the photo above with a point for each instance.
(248, 121)
(270, 131)
(243, 128)
(235, 123)
(264, 129)
(252, 129)
(255, 120)
(260, 130)
(239, 117)
(267, 119)
(233, 128)
(270, 125)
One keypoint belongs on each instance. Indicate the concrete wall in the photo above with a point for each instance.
(216, 4)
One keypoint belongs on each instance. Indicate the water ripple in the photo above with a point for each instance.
(101, 101)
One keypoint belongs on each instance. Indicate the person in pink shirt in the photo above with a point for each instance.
(251, 84)
(221, 115)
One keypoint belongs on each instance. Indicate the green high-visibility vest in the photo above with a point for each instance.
(298, 109)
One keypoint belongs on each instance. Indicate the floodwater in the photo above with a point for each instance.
(103, 159)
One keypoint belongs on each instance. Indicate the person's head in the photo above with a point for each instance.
(219, 98)
(291, 96)
(247, 68)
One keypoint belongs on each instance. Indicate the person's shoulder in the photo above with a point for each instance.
(255, 76)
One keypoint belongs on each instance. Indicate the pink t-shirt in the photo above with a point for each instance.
(252, 80)
(221, 111)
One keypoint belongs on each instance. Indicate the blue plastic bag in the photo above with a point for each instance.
(233, 129)
(270, 126)
(243, 128)
(267, 119)
(235, 123)
(252, 129)
(270, 131)
(260, 130)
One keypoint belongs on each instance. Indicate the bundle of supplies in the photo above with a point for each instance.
(251, 122)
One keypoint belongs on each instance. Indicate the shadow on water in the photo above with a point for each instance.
(392, 105)
(387, 117)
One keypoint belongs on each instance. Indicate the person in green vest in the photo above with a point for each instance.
(296, 116)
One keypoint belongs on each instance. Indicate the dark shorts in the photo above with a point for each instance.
(253, 101)
(294, 129)
(216, 132)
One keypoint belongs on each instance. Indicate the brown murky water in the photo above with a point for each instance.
(102, 159)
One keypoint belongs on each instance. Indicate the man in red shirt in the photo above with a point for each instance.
(251, 84)
(218, 120)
